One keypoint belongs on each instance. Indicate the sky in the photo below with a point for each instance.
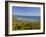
(26, 11)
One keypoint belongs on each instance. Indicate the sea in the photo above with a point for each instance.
(28, 17)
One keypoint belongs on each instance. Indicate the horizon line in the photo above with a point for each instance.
(19, 15)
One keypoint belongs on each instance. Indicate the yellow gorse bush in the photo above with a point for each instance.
(24, 24)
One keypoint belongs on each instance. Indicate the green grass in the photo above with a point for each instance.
(24, 24)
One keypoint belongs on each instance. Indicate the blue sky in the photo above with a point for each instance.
(26, 11)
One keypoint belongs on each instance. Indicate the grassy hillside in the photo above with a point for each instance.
(24, 24)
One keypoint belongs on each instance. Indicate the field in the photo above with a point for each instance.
(24, 24)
